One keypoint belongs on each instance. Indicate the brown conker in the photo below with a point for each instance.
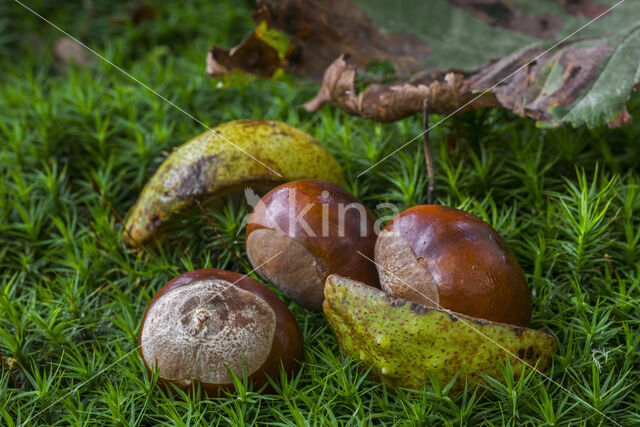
(302, 231)
(205, 322)
(447, 258)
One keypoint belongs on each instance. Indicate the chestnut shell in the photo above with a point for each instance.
(475, 271)
(287, 344)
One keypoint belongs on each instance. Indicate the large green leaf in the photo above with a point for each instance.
(450, 52)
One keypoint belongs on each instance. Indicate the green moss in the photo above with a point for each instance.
(72, 295)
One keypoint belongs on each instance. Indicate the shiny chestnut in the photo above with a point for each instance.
(205, 322)
(302, 231)
(447, 258)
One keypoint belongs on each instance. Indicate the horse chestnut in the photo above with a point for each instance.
(205, 322)
(309, 229)
(447, 258)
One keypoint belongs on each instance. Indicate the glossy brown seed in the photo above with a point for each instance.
(439, 256)
(204, 322)
(302, 231)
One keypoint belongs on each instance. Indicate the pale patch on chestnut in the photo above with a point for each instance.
(401, 273)
(302, 280)
(202, 329)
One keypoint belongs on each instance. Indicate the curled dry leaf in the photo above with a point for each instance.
(444, 93)
(450, 52)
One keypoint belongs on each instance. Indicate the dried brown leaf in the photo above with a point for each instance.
(579, 80)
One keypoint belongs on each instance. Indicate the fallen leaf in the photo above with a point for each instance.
(318, 32)
(444, 93)
(586, 8)
(542, 60)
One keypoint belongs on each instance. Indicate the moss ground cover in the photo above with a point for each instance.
(71, 295)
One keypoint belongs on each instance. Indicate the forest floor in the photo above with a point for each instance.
(72, 295)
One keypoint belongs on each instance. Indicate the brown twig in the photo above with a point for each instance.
(427, 151)
(6, 366)
(231, 251)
